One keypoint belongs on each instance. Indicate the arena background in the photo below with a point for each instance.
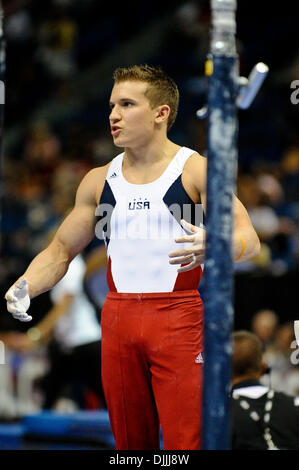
(60, 56)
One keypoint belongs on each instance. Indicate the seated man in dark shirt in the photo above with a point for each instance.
(261, 418)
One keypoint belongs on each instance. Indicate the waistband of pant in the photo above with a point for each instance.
(152, 295)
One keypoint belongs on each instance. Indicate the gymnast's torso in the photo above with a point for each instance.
(139, 224)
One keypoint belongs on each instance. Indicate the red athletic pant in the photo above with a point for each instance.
(152, 370)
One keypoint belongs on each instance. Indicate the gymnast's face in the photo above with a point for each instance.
(132, 120)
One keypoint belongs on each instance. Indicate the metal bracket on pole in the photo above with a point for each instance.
(248, 89)
(248, 92)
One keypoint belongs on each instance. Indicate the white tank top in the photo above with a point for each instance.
(139, 224)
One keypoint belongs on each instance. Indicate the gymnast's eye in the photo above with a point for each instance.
(123, 104)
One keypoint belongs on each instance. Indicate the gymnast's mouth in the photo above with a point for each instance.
(115, 129)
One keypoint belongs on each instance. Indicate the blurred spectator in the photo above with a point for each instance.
(18, 373)
(188, 31)
(12, 339)
(19, 27)
(57, 36)
(262, 419)
(284, 373)
(75, 344)
(96, 274)
(8, 407)
(56, 52)
(264, 325)
(264, 197)
(70, 346)
(74, 354)
(290, 177)
(41, 157)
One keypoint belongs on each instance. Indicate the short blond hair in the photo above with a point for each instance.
(161, 90)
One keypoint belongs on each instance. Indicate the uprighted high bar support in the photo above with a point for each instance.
(255, 80)
(222, 164)
(2, 100)
(247, 88)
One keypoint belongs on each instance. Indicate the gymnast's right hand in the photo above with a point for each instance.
(18, 300)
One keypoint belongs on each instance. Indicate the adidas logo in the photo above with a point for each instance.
(199, 359)
(114, 175)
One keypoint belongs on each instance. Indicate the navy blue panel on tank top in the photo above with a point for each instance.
(107, 198)
(177, 194)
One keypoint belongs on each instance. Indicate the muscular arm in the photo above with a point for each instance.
(245, 241)
(242, 228)
(76, 231)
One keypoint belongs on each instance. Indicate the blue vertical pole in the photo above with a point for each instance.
(2, 99)
(222, 162)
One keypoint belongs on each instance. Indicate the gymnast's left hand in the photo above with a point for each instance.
(193, 256)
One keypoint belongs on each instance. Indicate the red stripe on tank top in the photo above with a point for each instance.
(188, 280)
(110, 281)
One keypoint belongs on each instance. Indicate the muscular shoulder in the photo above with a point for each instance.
(92, 185)
(195, 163)
(194, 173)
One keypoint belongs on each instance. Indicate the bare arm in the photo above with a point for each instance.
(245, 242)
(76, 231)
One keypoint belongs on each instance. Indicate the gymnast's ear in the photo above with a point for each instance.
(162, 113)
